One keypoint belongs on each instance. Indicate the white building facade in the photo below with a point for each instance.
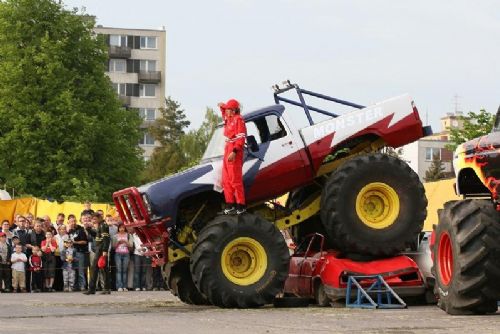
(136, 67)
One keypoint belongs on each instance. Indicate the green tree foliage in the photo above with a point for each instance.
(474, 125)
(168, 130)
(63, 131)
(194, 143)
(436, 170)
(179, 149)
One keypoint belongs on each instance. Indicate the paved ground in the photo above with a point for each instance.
(148, 312)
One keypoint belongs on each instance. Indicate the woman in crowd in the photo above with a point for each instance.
(49, 247)
(60, 237)
(122, 245)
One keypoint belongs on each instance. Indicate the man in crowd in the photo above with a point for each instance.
(47, 225)
(22, 231)
(87, 209)
(35, 238)
(80, 242)
(102, 245)
(59, 220)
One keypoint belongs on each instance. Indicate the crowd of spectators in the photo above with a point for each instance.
(38, 255)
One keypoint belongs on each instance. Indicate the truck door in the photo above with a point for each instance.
(278, 164)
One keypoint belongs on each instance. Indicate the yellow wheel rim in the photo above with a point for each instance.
(244, 261)
(377, 205)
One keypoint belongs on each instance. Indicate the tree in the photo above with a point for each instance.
(179, 150)
(62, 127)
(436, 170)
(168, 130)
(194, 143)
(474, 125)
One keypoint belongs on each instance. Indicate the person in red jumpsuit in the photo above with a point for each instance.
(232, 178)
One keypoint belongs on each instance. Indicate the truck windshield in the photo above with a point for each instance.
(215, 146)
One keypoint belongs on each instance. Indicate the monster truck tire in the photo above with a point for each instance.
(181, 285)
(373, 205)
(466, 257)
(240, 261)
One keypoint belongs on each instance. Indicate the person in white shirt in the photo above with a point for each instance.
(141, 262)
(18, 260)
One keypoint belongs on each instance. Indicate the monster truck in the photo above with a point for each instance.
(371, 204)
(466, 241)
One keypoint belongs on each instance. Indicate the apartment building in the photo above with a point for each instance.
(136, 68)
(419, 154)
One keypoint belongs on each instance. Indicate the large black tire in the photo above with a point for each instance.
(240, 261)
(181, 284)
(466, 257)
(373, 205)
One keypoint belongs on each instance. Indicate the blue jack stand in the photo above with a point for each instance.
(377, 290)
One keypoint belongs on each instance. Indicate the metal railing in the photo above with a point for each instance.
(150, 76)
(119, 51)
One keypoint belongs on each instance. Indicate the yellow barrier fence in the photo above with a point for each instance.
(438, 193)
(40, 207)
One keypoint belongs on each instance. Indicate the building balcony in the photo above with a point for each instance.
(125, 100)
(119, 52)
(150, 77)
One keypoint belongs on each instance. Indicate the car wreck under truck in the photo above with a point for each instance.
(367, 203)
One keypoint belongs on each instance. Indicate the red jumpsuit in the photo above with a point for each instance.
(232, 178)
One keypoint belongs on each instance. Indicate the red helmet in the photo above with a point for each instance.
(231, 104)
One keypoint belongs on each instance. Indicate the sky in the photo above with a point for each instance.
(359, 50)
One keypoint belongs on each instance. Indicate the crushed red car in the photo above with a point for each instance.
(322, 275)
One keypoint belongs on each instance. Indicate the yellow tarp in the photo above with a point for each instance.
(39, 207)
(437, 193)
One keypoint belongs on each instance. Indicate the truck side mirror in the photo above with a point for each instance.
(252, 144)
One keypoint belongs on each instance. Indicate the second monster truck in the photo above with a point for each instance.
(366, 202)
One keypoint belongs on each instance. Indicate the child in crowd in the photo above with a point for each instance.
(18, 260)
(15, 241)
(67, 256)
(35, 262)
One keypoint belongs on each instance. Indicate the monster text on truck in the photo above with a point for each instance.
(466, 241)
(367, 203)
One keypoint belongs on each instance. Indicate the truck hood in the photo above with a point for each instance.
(468, 147)
(164, 195)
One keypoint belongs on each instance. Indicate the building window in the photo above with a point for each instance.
(147, 139)
(120, 88)
(147, 90)
(118, 65)
(148, 42)
(431, 152)
(117, 40)
(147, 65)
(147, 114)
